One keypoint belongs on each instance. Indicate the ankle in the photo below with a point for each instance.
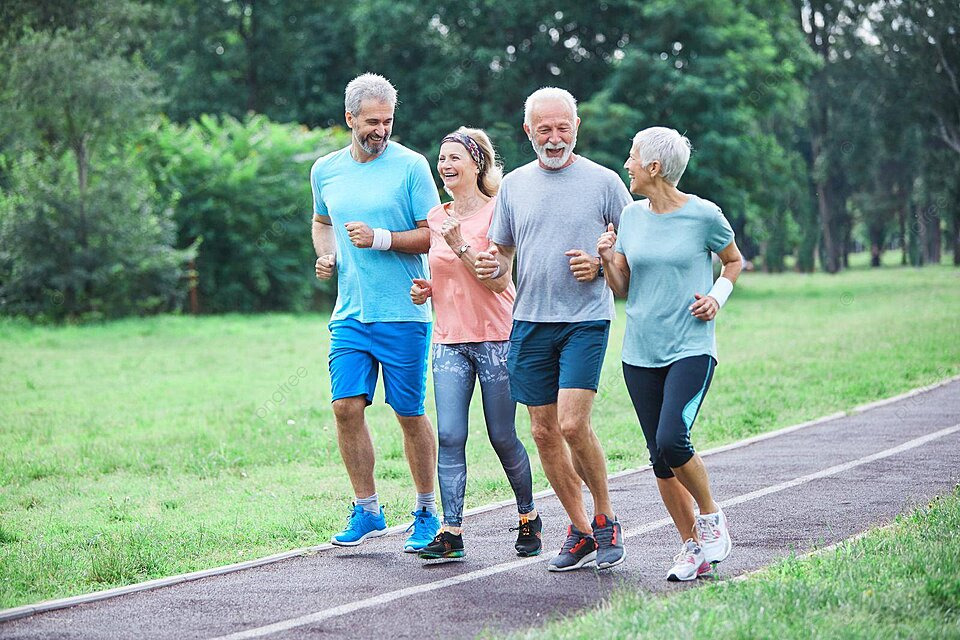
(457, 531)
(530, 515)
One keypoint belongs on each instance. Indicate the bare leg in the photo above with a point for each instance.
(693, 475)
(574, 407)
(557, 463)
(356, 446)
(679, 504)
(421, 449)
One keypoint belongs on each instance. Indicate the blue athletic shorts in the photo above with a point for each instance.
(359, 349)
(548, 356)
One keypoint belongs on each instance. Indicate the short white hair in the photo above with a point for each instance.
(548, 94)
(368, 86)
(666, 146)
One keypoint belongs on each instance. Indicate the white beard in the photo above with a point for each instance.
(554, 163)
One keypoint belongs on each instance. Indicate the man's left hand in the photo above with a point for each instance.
(583, 265)
(361, 235)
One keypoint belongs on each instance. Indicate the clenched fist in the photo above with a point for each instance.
(607, 242)
(325, 266)
(361, 235)
(420, 291)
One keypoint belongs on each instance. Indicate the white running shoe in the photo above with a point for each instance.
(714, 536)
(689, 563)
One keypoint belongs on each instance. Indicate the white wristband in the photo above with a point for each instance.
(721, 290)
(381, 239)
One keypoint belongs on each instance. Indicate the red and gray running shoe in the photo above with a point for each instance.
(580, 549)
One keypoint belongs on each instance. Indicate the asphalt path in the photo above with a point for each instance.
(798, 490)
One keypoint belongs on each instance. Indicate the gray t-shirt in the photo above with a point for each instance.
(669, 255)
(544, 213)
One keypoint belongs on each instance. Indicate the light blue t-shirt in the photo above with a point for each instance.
(669, 256)
(394, 191)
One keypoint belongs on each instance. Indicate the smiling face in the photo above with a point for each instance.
(553, 133)
(641, 178)
(371, 127)
(455, 166)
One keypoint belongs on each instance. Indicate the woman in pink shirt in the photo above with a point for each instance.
(471, 340)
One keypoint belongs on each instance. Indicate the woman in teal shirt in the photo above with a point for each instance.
(661, 260)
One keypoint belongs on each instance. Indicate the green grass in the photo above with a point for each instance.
(143, 448)
(897, 582)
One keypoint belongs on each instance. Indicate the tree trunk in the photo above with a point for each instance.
(251, 43)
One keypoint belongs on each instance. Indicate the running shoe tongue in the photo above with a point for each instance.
(601, 520)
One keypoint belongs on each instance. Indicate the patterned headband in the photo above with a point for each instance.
(469, 143)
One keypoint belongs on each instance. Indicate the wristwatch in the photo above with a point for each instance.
(462, 249)
(600, 268)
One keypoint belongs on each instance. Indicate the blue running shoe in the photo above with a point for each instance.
(361, 524)
(425, 527)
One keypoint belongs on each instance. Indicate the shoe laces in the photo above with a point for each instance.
(604, 534)
(356, 512)
(571, 541)
(687, 553)
(419, 521)
(707, 529)
(526, 531)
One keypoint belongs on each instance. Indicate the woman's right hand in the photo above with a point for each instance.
(421, 290)
(606, 243)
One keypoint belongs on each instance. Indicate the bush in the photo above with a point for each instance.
(242, 189)
(102, 253)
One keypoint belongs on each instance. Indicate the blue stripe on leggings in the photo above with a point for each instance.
(690, 410)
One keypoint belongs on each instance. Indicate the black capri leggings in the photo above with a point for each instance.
(667, 400)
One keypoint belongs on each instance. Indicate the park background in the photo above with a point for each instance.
(163, 392)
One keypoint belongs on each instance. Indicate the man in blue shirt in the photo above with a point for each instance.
(370, 204)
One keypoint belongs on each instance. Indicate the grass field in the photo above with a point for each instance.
(897, 582)
(143, 448)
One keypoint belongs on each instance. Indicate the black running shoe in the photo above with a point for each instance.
(529, 539)
(610, 550)
(446, 547)
(579, 550)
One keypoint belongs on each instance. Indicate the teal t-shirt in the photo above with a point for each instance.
(393, 192)
(669, 256)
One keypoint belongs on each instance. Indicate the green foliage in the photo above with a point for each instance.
(241, 189)
(103, 253)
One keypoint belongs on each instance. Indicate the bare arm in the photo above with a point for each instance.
(325, 244)
(732, 262)
(450, 231)
(412, 241)
(705, 306)
(615, 267)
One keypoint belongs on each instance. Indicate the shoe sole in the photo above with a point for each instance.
(584, 561)
(443, 559)
(701, 570)
(524, 554)
(376, 533)
(607, 565)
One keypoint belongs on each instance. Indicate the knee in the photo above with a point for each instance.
(348, 410)
(545, 434)
(452, 438)
(504, 442)
(575, 430)
(675, 450)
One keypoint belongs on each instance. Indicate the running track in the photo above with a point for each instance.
(801, 488)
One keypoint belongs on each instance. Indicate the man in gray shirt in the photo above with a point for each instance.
(548, 213)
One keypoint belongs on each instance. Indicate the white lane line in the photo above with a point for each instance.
(390, 596)
(63, 603)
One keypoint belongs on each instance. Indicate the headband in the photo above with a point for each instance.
(469, 143)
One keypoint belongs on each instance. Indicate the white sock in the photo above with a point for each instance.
(427, 501)
(370, 505)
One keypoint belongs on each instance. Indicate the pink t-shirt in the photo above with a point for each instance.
(466, 310)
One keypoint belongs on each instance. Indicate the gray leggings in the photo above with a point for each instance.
(455, 370)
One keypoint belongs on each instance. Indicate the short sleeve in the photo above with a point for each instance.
(720, 233)
(319, 206)
(501, 226)
(617, 198)
(423, 192)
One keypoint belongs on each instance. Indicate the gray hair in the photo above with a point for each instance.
(369, 86)
(546, 94)
(666, 146)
